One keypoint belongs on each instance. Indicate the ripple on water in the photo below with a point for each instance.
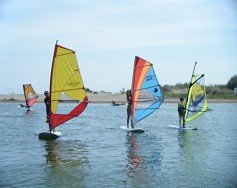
(95, 152)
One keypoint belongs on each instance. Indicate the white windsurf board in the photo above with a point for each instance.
(134, 130)
(181, 128)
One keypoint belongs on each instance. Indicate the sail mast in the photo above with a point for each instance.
(194, 69)
(132, 88)
(24, 89)
(190, 85)
(51, 80)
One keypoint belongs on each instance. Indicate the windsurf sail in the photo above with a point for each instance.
(30, 95)
(147, 95)
(65, 81)
(196, 103)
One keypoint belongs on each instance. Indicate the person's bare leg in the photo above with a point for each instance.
(128, 121)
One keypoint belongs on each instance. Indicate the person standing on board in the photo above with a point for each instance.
(27, 107)
(181, 111)
(129, 107)
(47, 104)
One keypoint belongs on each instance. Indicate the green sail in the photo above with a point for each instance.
(196, 103)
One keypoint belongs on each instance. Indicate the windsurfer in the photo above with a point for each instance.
(129, 107)
(181, 111)
(47, 104)
(27, 107)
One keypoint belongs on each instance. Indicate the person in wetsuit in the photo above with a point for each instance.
(181, 111)
(129, 107)
(47, 104)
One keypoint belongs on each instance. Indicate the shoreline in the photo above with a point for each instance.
(99, 98)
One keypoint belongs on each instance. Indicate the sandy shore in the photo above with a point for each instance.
(94, 98)
(102, 98)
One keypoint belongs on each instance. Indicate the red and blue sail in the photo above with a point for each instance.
(147, 95)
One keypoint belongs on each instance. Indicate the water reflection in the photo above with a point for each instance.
(133, 158)
(183, 140)
(66, 163)
(193, 153)
(52, 157)
(135, 167)
(192, 142)
(144, 160)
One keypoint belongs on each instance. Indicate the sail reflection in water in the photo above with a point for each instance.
(66, 162)
(143, 158)
(133, 157)
(136, 171)
(192, 143)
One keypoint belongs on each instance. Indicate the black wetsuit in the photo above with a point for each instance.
(47, 104)
(129, 109)
(181, 109)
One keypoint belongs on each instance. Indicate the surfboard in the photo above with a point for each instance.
(181, 128)
(50, 136)
(134, 130)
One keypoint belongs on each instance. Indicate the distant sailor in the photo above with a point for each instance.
(181, 111)
(129, 108)
(27, 107)
(47, 104)
(113, 103)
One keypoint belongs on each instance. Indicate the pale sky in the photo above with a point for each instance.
(108, 34)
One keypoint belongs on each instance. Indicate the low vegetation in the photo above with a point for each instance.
(225, 91)
(213, 91)
(10, 100)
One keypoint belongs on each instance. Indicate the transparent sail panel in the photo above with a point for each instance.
(197, 100)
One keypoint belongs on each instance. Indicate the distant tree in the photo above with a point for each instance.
(232, 83)
(122, 91)
(182, 85)
(88, 90)
(166, 88)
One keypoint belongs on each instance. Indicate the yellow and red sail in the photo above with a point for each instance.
(65, 80)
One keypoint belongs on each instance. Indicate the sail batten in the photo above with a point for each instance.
(147, 95)
(67, 90)
(65, 79)
(148, 87)
(65, 54)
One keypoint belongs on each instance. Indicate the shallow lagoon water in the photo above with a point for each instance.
(95, 152)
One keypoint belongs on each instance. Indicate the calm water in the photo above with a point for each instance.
(95, 152)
